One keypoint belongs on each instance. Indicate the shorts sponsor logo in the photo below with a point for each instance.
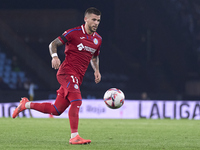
(75, 86)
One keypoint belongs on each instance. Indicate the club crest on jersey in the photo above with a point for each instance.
(95, 41)
(75, 86)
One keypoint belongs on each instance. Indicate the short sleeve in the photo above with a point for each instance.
(98, 49)
(97, 52)
(65, 37)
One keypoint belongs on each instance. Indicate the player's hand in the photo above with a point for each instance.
(97, 76)
(55, 62)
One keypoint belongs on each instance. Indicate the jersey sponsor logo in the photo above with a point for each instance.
(80, 47)
(87, 48)
(95, 41)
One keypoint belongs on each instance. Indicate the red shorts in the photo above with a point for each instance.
(69, 84)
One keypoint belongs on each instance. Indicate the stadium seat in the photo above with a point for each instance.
(2, 56)
(14, 74)
(8, 61)
(21, 74)
(6, 74)
(7, 68)
(13, 80)
(6, 79)
(1, 68)
(2, 62)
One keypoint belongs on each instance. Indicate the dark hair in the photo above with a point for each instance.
(92, 10)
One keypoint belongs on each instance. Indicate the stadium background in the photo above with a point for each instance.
(148, 46)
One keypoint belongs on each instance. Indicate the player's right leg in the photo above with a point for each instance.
(55, 109)
(78, 140)
(76, 101)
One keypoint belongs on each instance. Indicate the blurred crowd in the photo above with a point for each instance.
(186, 14)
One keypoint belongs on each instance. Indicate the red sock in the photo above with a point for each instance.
(55, 109)
(47, 108)
(74, 115)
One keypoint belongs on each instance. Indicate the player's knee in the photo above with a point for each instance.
(76, 103)
(79, 103)
(74, 108)
(56, 111)
(59, 112)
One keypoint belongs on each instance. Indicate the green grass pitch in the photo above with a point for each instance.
(106, 134)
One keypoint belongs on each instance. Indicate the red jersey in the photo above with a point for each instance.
(79, 49)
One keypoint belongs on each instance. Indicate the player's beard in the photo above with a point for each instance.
(92, 29)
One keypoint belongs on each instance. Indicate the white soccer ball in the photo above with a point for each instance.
(114, 98)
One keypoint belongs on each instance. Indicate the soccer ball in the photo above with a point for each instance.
(114, 98)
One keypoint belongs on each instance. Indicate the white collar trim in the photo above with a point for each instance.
(85, 31)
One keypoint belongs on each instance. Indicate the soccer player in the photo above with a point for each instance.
(82, 47)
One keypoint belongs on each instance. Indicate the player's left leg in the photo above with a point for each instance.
(21, 107)
(55, 109)
(76, 101)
